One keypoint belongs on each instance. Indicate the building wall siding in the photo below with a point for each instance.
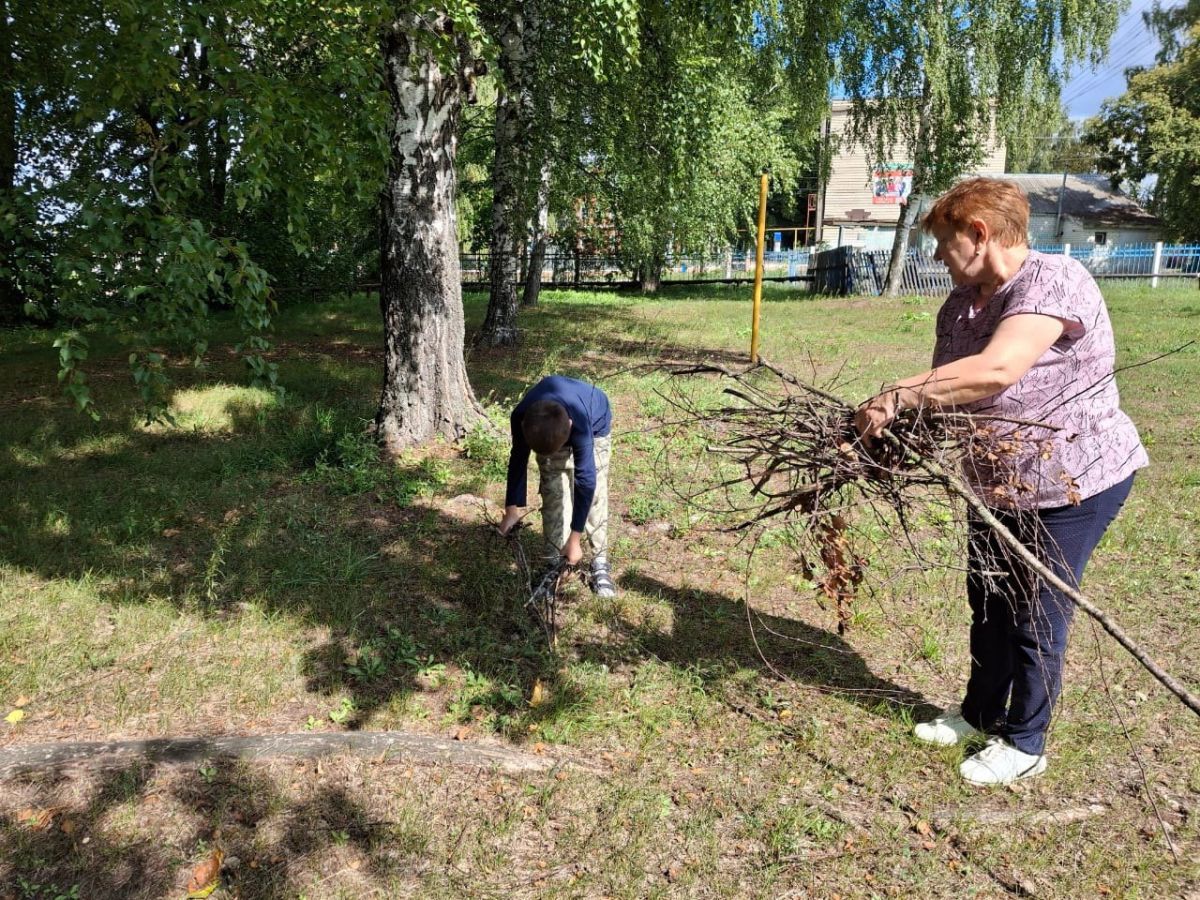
(1042, 231)
(850, 186)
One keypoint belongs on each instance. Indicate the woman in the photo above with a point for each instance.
(1022, 336)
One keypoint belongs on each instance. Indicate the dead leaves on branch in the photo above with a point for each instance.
(844, 570)
(799, 463)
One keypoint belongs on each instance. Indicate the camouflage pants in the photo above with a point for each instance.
(557, 487)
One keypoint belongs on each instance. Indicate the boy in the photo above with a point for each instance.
(568, 424)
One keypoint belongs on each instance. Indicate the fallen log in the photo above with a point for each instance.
(385, 746)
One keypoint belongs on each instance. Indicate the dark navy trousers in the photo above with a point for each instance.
(1019, 624)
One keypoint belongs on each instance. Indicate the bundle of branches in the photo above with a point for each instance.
(798, 460)
(543, 590)
(796, 450)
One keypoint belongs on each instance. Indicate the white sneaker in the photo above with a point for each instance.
(1000, 763)
(948, 728)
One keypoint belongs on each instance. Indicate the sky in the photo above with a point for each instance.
(1131, 45)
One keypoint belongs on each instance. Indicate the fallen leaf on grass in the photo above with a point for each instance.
(206, 877)
(21, 701)
(15, 716)
(539, 694)
(68, 826)
(37, 819)
(922, 828)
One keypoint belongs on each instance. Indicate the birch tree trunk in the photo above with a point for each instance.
(649, 273)
(537, 239)
(514, 114)
(912, 204)
(425, 388)
(11, 302)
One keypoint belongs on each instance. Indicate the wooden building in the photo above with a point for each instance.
(860, 202)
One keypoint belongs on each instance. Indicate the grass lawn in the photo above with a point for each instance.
(254, 569)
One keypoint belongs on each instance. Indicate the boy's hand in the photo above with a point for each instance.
(572, 550)
(512, 515)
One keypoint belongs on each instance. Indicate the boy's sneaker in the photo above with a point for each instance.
(602, 583)
(1000, 763)
(948, 728)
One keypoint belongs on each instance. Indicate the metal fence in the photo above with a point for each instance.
(571, 270)
(851, 270)
(843, 270)
(1157, 260)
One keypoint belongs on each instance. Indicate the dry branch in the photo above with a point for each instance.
(802, 461)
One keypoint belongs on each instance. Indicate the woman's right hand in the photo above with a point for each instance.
(876, 414)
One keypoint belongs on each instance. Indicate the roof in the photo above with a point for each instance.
(1086, 197)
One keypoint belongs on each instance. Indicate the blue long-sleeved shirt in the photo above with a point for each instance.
(591, 417)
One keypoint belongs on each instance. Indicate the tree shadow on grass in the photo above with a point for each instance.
(235, 523)
(137, 832)
(52, 861)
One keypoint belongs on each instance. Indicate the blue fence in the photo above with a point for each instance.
(569, 269)
(852, 270)
(843, 270)
(1132, 260)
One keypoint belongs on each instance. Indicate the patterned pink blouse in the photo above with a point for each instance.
(1071, 387)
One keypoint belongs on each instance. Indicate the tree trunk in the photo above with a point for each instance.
(912, 205)
(509, 182)
(650, 274)
(11, 301)
(537, 239)
(220, 183)
(894, 280)
(215, 140)
(425, 388)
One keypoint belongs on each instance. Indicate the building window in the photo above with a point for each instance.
(1101, 237)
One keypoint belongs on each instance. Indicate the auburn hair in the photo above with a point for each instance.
(997, 201)
(546, 426)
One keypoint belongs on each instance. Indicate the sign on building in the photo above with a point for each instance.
(892, 183)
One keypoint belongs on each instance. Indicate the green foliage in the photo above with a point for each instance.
(337, 449)
(1154, 128)
(339, 452)
(673, 145)
(331, 439)
(72, 350)
(489, 447)
(177, 157)
(937, 76)
(1046, 140)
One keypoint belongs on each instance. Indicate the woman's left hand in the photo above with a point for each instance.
(876, 414)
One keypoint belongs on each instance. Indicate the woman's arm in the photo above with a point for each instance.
(1018, 343)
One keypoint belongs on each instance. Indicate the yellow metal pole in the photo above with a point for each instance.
(758, 266)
